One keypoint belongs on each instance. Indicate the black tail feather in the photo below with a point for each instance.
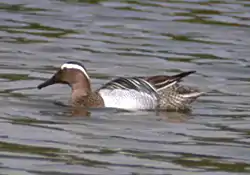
(179, 76)
(162, 81)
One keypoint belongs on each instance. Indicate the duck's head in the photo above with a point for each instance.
(72, 73)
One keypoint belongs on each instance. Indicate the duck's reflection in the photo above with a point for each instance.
(173, 117)
(80, 112)
(167, 116)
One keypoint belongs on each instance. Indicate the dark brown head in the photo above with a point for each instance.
(72, 73)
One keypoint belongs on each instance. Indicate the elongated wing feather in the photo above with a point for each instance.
(160, 82)
(130, 83)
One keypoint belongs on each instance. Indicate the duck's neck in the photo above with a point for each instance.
(79, 82)
(79, 95)
(80, 89)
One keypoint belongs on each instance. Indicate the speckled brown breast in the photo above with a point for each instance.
(93, 99)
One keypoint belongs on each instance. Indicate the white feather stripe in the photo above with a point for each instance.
(75, 66)
(194, 94)
(163, 82)
(164, 87)
(150, 85)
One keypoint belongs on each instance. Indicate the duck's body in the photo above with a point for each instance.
(131, 93)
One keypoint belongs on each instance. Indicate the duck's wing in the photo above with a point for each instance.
(161, 82)
(130, 83)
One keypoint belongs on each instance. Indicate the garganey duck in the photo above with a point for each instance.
(130, 93)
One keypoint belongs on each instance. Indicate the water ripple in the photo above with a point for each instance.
(40, 134)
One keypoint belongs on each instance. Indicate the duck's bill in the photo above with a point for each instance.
(46, 83)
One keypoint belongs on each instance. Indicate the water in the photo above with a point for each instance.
(127, 38)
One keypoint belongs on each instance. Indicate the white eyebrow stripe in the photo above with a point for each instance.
(75, 66)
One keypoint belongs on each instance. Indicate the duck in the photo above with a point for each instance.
(158, 92)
